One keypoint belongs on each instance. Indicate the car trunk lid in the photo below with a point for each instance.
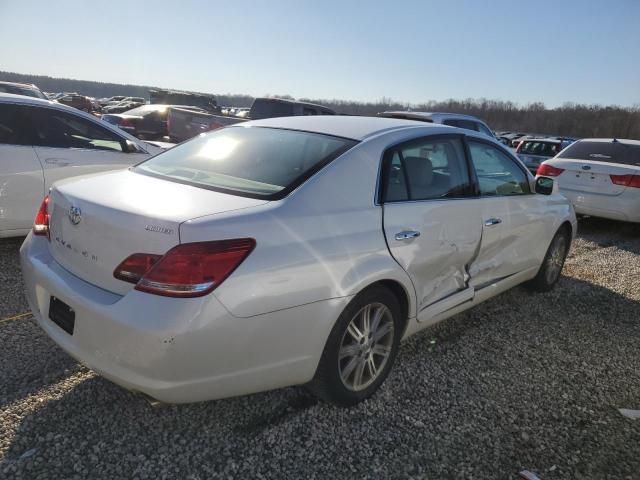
(97, 221)
(592, 176)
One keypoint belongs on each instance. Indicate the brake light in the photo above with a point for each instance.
(215, 125)
(41, 222)
(126, 123)
(626, 180)
(546, 170)
(187, 270)
(135, 266)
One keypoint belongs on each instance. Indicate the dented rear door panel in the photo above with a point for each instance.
(438, 259)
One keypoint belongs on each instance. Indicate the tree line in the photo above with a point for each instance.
(570, 119)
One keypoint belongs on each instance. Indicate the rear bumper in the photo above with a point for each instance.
(624, 207)
(177, 350)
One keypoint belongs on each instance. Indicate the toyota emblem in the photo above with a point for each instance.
(75, 215)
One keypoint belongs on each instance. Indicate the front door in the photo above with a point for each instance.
(514, 224)
(431, 222)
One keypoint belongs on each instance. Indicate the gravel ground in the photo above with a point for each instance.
(524, 381)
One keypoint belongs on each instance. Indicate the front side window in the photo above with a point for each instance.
(254, 162)
(426, 169)
(63, 130)
(498, 175)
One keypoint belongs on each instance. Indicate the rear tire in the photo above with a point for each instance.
(553, 262)
(360, 350)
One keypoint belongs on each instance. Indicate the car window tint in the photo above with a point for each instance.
(14, 127)
(259, 162)
(396, 186)
(498, 175)
(608, 152)
(63, 130)
(485, 130)
(430, 168)
(466, 124)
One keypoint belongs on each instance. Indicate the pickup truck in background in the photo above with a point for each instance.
(184, 124)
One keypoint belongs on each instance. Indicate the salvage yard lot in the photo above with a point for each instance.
(524, 381)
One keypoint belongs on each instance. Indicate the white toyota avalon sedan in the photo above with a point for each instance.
(286, 251)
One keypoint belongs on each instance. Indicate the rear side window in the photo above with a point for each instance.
(14, 126)
(485, 130)
(63, 130)
(466, 124)
(609, 152)
(426, 169)
(254, 162)
(498, 174)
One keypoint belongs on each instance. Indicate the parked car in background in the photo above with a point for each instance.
(223, 244)
(601, 177)
(26, 89)
(122, 106)
(534, 151)
(42, 142)
(279, 107)
(203, 101)
(76, 101)
(183, 125)
(467, 122)
(111, 100)
(147, 122)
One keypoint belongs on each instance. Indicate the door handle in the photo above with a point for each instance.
(56, 161)
(490, 222)
(407, 234)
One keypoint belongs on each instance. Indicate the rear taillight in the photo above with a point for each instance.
(215, 125)
(135, 266)
(626, 180)
(187, 270)
(546, 170)
(41, 222)
(126, 123)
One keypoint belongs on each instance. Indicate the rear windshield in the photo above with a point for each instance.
(545, 149)
(254, 162)
(610, 152)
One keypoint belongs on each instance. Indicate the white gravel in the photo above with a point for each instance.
(524, 382)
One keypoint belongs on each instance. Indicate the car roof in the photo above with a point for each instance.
(430, 116)
(28, 85)
(346, 126)
(10, 97)
(610, 140)
(543, 139)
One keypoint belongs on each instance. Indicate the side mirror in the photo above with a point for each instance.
(544, 185)
(131, 147)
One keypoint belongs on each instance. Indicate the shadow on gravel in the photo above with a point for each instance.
(523, 381)
(610, 233)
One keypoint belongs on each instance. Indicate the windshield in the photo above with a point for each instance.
(610, 152)
(545, 149)
(255, 162)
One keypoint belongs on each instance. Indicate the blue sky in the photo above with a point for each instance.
(584, 51)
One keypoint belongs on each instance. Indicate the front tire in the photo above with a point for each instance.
(360, 350)
(553, 262)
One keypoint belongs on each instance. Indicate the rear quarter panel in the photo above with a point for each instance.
(323, 241)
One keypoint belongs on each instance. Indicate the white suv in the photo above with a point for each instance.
(468, 122)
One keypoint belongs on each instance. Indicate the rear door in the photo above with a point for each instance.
(515, 221)
(21, 176)
(69, 145)
(431, 222)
